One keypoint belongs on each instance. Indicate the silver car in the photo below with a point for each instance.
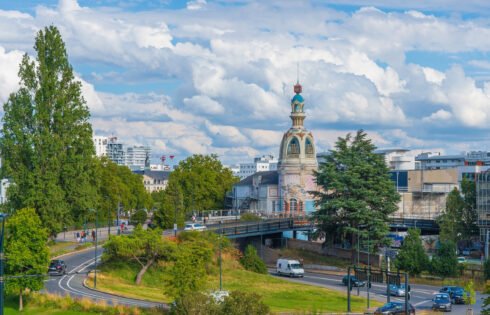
(397, 290)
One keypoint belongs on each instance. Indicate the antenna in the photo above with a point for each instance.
(297, 72)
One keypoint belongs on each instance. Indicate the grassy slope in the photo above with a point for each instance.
(281, 295)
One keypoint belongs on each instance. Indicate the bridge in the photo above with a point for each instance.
(239, 229)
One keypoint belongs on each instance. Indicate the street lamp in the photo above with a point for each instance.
(220, 268)
(95, 252)
(3, 217)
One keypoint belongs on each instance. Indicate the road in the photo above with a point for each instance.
(78, 264)
(421, 295)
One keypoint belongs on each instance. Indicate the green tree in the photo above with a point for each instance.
(139, 217)
(188, 272)
(26, 252)
(450, 221)
(470, 299)
(252, 262)
(240, 302)
(445, 261)
(357, 194)
(199, 182)
(411, 256)
(486, 269)
(469, 214)
(46, 138)
(146, 247)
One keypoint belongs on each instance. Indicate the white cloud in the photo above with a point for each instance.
(440, 115)
(9, 81)
(203, 104)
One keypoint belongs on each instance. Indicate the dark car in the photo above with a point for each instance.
(354, 282)
(457, 294)
(393, 308)
(57, 266)
(442, 302)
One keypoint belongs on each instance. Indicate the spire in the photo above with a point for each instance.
(297, 87)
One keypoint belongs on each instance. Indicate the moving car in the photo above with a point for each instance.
(457, 294)
(461, 260)
(57, 266)
(442, 302)
(354, 282)
(194, 227)
(290, 267)
(393, 308)
(397, 290)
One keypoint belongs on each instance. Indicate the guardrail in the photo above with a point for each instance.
(234, 229)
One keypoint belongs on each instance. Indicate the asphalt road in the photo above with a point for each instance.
(421, 295)
(78, 265)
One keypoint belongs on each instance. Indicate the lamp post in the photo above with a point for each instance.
(95, 252)
(220, 268)
(3, 216)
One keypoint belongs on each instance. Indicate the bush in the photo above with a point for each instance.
(486, 269)
(244, 303)
(252, 262)
(194, 303)
(249, 217)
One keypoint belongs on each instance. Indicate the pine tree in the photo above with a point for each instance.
(357, 194)
(411, 256)
(450, 221)
(46, 144)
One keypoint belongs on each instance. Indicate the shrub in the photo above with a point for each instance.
(252, 262)
(244, 303)
(194, 303)
(486, 269)
(139, 217)
(249, 217)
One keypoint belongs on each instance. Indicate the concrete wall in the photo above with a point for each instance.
(375, 259)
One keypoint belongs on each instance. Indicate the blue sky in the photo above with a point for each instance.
(216, 76)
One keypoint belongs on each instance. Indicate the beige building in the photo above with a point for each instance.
(425, 195)
(154, 180)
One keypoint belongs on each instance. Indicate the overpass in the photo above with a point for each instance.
(239, 229)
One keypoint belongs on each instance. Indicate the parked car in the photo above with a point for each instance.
(194, 227)
(397, 290)
(290, 267)
(393, 308)
(461, 260)
(354, 282)
(457, 294)
(57, 266)
(442, 302)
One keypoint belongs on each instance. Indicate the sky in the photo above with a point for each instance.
(202, 76)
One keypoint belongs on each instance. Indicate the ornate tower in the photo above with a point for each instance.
(297, 161)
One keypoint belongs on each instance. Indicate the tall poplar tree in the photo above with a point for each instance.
(46, 141)
(357, 195)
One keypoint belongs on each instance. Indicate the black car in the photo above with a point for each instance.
(57, 266)
(393, 308)
(442, 302)
(354, 282)
(458, 295)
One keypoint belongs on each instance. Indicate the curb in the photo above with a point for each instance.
(159, 305)
(74, 252)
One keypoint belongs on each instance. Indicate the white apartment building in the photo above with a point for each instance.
(100, 144)
(260, 164)
(116, 151)
(138, 157)
(399, 159)
(4, 185)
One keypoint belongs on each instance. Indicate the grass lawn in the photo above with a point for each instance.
(61, 248)
(12, 306)
(281, 295)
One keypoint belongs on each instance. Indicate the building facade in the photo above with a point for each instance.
(433, 161)
(483, 203)
(116, 151)
(285, 191)
(138, 157)
(100, 144)
(154, 180)
(260, 164)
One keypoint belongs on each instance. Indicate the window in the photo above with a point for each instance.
(293, 147)
(293, 205)
(309, 147)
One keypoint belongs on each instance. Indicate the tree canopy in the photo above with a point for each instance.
(46, 139)
(199, 182)
(411, 256)
(357, 194)
(445, 261)
(26, 252)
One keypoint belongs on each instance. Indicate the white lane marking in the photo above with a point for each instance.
(423, 302)
(73, 290)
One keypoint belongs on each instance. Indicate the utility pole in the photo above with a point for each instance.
(369, 270)
(95, 254)
(220, 267)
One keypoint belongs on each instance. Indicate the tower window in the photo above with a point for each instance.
(309, 146)
(293, 147)
(293, 205)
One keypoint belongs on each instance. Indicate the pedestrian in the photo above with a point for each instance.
(193, 218)
(78, 237)
(93, 235)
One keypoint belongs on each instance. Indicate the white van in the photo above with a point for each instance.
(290, 267)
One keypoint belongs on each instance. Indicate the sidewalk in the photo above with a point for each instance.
(71, 236)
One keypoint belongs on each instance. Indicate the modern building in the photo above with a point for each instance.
(154, 180)
(483, 204)
(138, 157)
(4, 185)
(100, 144)
(399, 159)
(285, 191)
(116, 151)
(433, 161)
(259, 164)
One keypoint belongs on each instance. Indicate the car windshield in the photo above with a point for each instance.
(458, 290)
(188, 225)
(295, 266)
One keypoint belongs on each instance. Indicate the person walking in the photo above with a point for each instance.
(78, 237)
(93, 235)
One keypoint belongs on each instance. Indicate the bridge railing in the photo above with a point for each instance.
(257, 227)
